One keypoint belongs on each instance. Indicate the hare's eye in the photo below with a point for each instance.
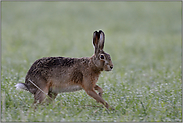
(101, 56)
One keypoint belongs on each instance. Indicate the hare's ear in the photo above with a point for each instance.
(101, 40)
(95, 39)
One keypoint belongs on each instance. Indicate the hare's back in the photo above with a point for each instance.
(45, 67)
(49, 62)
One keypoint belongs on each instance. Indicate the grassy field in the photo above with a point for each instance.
(143, 39)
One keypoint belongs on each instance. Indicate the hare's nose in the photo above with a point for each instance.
(111, 67)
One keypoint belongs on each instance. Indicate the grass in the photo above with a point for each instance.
(143, 39)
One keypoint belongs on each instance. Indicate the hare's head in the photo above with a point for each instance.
(102, 60)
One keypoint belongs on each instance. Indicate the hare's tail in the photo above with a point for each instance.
(21, 86)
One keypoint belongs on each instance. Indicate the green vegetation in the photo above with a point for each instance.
(143, 39)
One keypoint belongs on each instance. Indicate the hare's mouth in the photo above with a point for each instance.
(108, 68)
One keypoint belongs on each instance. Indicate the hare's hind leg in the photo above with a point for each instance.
(52, 96)
(43, 98)
(40, 95)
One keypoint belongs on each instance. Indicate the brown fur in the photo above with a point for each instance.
(60, 74)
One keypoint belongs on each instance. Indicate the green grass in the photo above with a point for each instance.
(143, 39)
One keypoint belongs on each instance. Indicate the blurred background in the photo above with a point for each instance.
(134, 30)
(143, 39)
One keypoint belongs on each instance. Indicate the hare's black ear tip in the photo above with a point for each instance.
(95, 32)
(100, 31)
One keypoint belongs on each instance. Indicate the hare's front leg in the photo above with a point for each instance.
(99, 89)
(88, 85)
(93, 94)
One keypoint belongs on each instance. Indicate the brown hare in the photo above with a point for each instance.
(52, 75)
